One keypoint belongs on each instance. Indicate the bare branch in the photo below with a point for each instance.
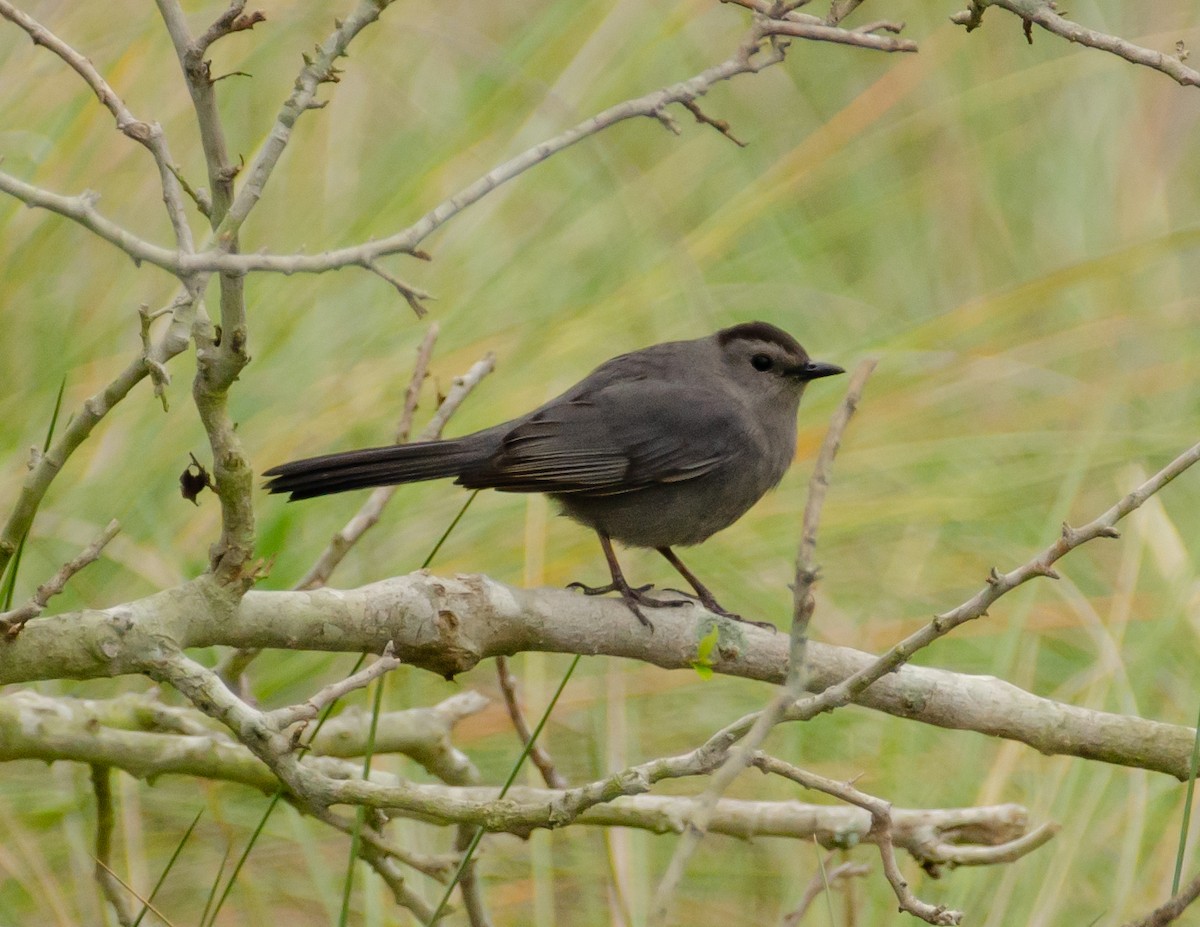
(881, 830)
(318, 69)
(387, 870)
(996, 586)
(1045, 14)
(436, 867)
(447, 625)
(112, 888)
(11, 622)
(749, 58)
(1173, 909)
(154, 367)
(51, 729)
(537, 753)
(818, 486)
(412, 295)
(823, 879)
(420, 371)
(422, 734)
(284, 718)
(719, 124)
(371, 511)
(839, 10)
(232, 20)
(149, 135)
(82, 209)
(739, 755)
(821, 33)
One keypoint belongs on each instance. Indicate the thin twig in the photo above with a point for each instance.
(469, 887)
(823, 879)
(232, 20)
(806, 564)
(149, 135)
(412, 295)
(839, 10)
(282, 718)
(508, 685)
(172, 342)
(420, 371)
(737, 753)
(113, 889)
(438, 868)
(1170, 911)
(12, 622)
(385, 867)
(372, 509)
(997, 585)
(719, 124)
(1045, 14)
(881, 831)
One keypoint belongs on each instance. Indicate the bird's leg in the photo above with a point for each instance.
(707, 599)
(633, 596)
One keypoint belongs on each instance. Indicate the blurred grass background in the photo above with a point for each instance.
(1012, 230)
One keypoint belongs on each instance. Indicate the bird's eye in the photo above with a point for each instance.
(761, 362)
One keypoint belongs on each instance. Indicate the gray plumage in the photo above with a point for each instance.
(658, 448)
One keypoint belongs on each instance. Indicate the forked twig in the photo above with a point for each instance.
(12, 622)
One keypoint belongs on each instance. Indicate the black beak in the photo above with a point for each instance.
(814, 370)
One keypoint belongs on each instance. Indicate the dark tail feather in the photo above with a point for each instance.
(376, 466)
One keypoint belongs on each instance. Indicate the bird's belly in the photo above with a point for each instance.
(667, 514)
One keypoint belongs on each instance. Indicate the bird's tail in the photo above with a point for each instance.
(376, 466)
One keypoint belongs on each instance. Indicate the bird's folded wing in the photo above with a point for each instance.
(620, 438)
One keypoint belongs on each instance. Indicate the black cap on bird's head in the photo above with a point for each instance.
(770, 348)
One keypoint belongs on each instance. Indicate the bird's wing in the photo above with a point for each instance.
(617, 438)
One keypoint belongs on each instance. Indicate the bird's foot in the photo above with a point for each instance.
(712, 605)
(634, 598)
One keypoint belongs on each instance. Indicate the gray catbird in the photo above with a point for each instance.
(658, 448)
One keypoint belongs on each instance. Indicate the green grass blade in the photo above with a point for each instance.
(446, 533)
(361, 812)
(512, 777)
(1187, 811)
(10, 576)
(167, 869)
(242, 859)
(212, 890)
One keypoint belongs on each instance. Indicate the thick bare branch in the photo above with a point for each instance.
(52, 729)
(448, 624)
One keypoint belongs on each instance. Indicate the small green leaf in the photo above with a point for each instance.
(703, 663)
